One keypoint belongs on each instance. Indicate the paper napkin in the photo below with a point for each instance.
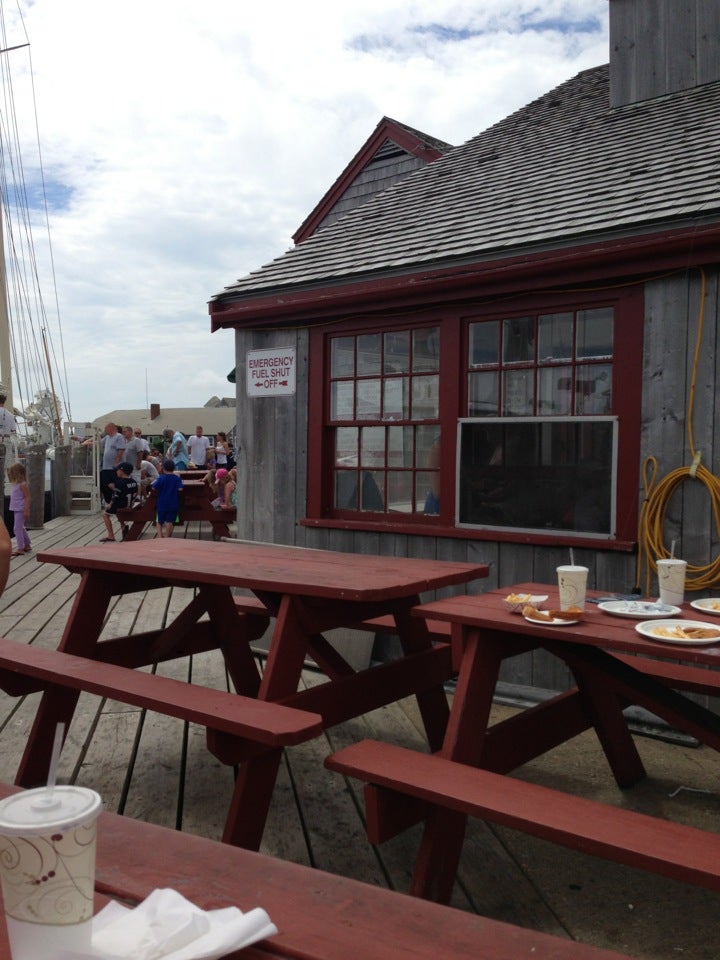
(166, 926)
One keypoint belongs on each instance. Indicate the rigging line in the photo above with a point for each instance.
(61, 368)
(29, 260)
(50, 246)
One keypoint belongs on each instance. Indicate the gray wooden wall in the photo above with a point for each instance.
(272, 470)
(390, 164)
(661, 46)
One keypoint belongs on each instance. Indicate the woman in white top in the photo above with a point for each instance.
(221, 450)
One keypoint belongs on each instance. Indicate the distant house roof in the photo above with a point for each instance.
(185, 419)
(392, 151)
(564, 170)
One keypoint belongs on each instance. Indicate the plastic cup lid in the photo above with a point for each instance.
(36, 811)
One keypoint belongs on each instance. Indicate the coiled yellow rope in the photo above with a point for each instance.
(658, 496)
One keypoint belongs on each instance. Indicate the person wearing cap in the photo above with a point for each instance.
(123, 488)
(224, 486)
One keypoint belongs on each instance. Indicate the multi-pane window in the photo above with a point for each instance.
(384, 416)
(530, 415)
(555, 364)
(538, 448)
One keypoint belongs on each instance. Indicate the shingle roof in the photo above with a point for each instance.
(186, 419)
(563, 169)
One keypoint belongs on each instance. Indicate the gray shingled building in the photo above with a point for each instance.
(503, 351)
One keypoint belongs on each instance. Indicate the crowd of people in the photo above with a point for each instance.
(131, 470)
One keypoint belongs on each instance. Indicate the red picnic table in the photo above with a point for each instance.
(319, 916)
(195, 504)
(307, 591)
(614, 666)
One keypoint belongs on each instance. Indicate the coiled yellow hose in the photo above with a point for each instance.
(651, 546)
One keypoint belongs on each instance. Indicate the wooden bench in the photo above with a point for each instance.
(230, 719)
(678, 851)
(319, 916)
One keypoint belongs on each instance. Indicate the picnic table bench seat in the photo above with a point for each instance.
(228, 717)
(675, 850)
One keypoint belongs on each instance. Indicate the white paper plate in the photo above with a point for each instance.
(557, 622)
(653, 630)
(706, 606)
(638, 609)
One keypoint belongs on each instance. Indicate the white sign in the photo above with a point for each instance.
(270, 372)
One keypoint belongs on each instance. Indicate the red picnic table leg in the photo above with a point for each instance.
(442, 840)
(234, 632)
(627, 685)
(605, 711)
(433, 705)
(58, 703)
(256, 777)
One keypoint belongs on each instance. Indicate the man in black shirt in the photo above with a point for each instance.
(124, 489)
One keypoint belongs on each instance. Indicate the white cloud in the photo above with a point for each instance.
(194, 138)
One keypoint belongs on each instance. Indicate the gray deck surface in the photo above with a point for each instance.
(156, 768)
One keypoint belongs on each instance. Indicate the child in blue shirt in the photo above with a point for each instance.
(167, 487)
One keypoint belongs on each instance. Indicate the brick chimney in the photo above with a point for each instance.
(658, 47)
(154, 411)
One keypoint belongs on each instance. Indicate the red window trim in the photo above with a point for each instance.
(628, 303)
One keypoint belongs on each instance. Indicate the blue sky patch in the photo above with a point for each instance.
(559, 24)
(527, 23)
(56, 194)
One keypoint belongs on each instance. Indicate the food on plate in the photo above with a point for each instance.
(687, 633)
(572, 613)
(534, 614)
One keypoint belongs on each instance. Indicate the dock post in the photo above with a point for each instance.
(35, 466)
(60, 496)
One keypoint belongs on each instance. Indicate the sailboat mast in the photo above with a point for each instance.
(5, 367)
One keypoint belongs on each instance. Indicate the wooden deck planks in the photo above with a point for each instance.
(134, 760)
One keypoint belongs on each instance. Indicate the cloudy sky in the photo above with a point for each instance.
(184, 141)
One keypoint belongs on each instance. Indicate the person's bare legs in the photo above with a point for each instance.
(108, 526)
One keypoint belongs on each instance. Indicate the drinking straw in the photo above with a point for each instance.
(672, 550)
(572, 557)
(55, 757)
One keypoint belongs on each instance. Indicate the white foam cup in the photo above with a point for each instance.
(572, 586)
(671, 580)
(47, 870)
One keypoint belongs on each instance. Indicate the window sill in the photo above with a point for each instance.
(435, 528)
